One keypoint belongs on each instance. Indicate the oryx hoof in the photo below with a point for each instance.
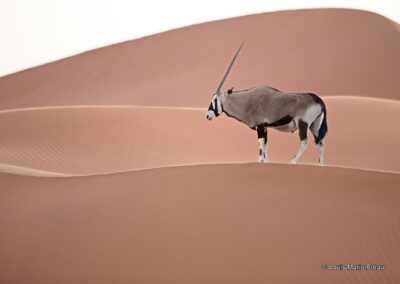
(293, 162)
(262, 160)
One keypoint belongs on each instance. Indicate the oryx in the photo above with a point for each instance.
(264, 106)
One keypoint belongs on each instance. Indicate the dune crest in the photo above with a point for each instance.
(325, 51)
(17, 170)
(82, 140)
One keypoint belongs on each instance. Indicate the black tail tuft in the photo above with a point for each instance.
(323, 130)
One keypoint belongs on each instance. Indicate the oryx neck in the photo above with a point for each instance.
(231, 107)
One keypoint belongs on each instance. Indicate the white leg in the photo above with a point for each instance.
(300, 151)
(261, 142)
(303, 126)
(266, 160)
(315, 129)
(321, 147)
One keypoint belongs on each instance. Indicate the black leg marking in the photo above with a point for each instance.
(312, 129)
(260, 131)
(303, 130)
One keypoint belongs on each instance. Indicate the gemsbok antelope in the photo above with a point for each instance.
(265, 107)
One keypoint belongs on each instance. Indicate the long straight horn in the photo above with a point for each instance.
(229, 69)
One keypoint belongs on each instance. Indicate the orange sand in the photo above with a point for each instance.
(89, 191)
(247, 223)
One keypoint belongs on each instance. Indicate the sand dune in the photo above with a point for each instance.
(246, 223)
(327, 51)
(17, 170)
(94, 140)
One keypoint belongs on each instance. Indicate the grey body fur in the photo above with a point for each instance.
(264, 104)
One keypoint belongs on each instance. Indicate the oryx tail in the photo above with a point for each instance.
(323, 129)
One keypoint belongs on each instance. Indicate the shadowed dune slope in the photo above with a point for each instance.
(326, 51)
(201, 224)
(92, 140)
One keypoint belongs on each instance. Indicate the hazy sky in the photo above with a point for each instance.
(33, 32)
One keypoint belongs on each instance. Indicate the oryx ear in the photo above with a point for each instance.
(230, 91)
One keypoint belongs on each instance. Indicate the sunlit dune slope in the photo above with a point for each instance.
(363, 133)
(110, 172)
(326, 51)
(248, 223)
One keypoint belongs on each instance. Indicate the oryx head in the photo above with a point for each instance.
(215, 107)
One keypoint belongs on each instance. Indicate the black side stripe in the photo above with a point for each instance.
(283, 121)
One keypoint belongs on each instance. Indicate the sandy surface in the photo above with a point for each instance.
(101, 139)
(110, 172)
(248, 223)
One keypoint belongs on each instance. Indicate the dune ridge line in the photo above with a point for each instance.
(31, 172)
(338, 97)
(23, 171)
(68, 140)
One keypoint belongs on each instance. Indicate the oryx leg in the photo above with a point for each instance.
(302, 126)
(262, 140)
(314, 127)
(266, 160)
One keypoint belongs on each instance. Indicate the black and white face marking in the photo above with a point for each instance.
(215, 108)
